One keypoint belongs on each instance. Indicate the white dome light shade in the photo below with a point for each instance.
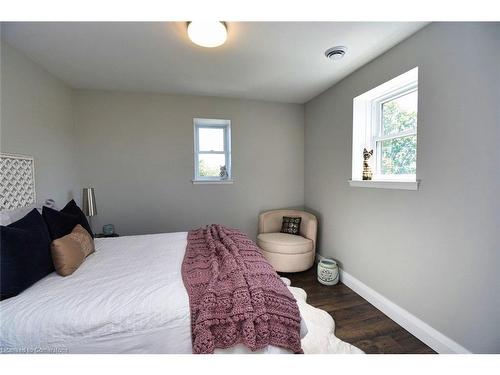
(207, 33)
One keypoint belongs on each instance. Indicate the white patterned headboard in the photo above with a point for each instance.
(18, 181)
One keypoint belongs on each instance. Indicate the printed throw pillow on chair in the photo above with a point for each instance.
(291, 225)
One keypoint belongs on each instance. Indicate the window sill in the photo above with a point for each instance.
(212, 182)
(402, 185)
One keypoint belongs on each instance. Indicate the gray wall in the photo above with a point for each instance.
(36, 119)
(435, 251)
(137, 151)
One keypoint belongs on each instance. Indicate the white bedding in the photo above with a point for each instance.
(127, 297)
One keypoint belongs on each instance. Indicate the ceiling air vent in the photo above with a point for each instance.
(336, 53)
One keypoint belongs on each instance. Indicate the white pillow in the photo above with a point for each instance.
(8, 217)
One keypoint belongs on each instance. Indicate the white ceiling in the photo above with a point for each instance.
(278, 61)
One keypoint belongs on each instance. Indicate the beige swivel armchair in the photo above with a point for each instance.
(287, 252)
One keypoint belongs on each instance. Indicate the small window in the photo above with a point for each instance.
(212, 150)
(385, 121)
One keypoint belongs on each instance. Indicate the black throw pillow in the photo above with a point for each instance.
(25, 254)
(58, 222)
(291, 225)
(61, 223)
(73, 209)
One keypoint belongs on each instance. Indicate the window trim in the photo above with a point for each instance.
(378, 138)
(380, 184)
(205, 123)
(367, 130)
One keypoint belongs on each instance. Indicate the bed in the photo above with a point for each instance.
(130, 295)
(127, 297)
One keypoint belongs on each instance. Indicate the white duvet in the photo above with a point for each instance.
(127, 297)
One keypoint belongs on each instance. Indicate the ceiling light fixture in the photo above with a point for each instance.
(207, 33)
(336, 53)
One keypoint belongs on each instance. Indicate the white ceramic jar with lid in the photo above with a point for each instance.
(328, 272)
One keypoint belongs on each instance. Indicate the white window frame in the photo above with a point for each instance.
(204, 123)
(377, 138)
(367, 132)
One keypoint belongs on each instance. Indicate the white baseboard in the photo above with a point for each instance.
(418, 328)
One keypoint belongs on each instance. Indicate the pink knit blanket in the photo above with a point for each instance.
(235, 295)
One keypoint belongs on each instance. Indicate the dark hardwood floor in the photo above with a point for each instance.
(357, 321)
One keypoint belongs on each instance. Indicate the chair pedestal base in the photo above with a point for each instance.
(290, 262)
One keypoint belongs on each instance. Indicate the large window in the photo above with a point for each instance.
(212, 150)
(385, 121)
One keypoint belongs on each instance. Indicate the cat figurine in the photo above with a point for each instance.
(223, 173)
(367, 171)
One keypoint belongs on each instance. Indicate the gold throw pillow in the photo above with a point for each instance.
(69, 252)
